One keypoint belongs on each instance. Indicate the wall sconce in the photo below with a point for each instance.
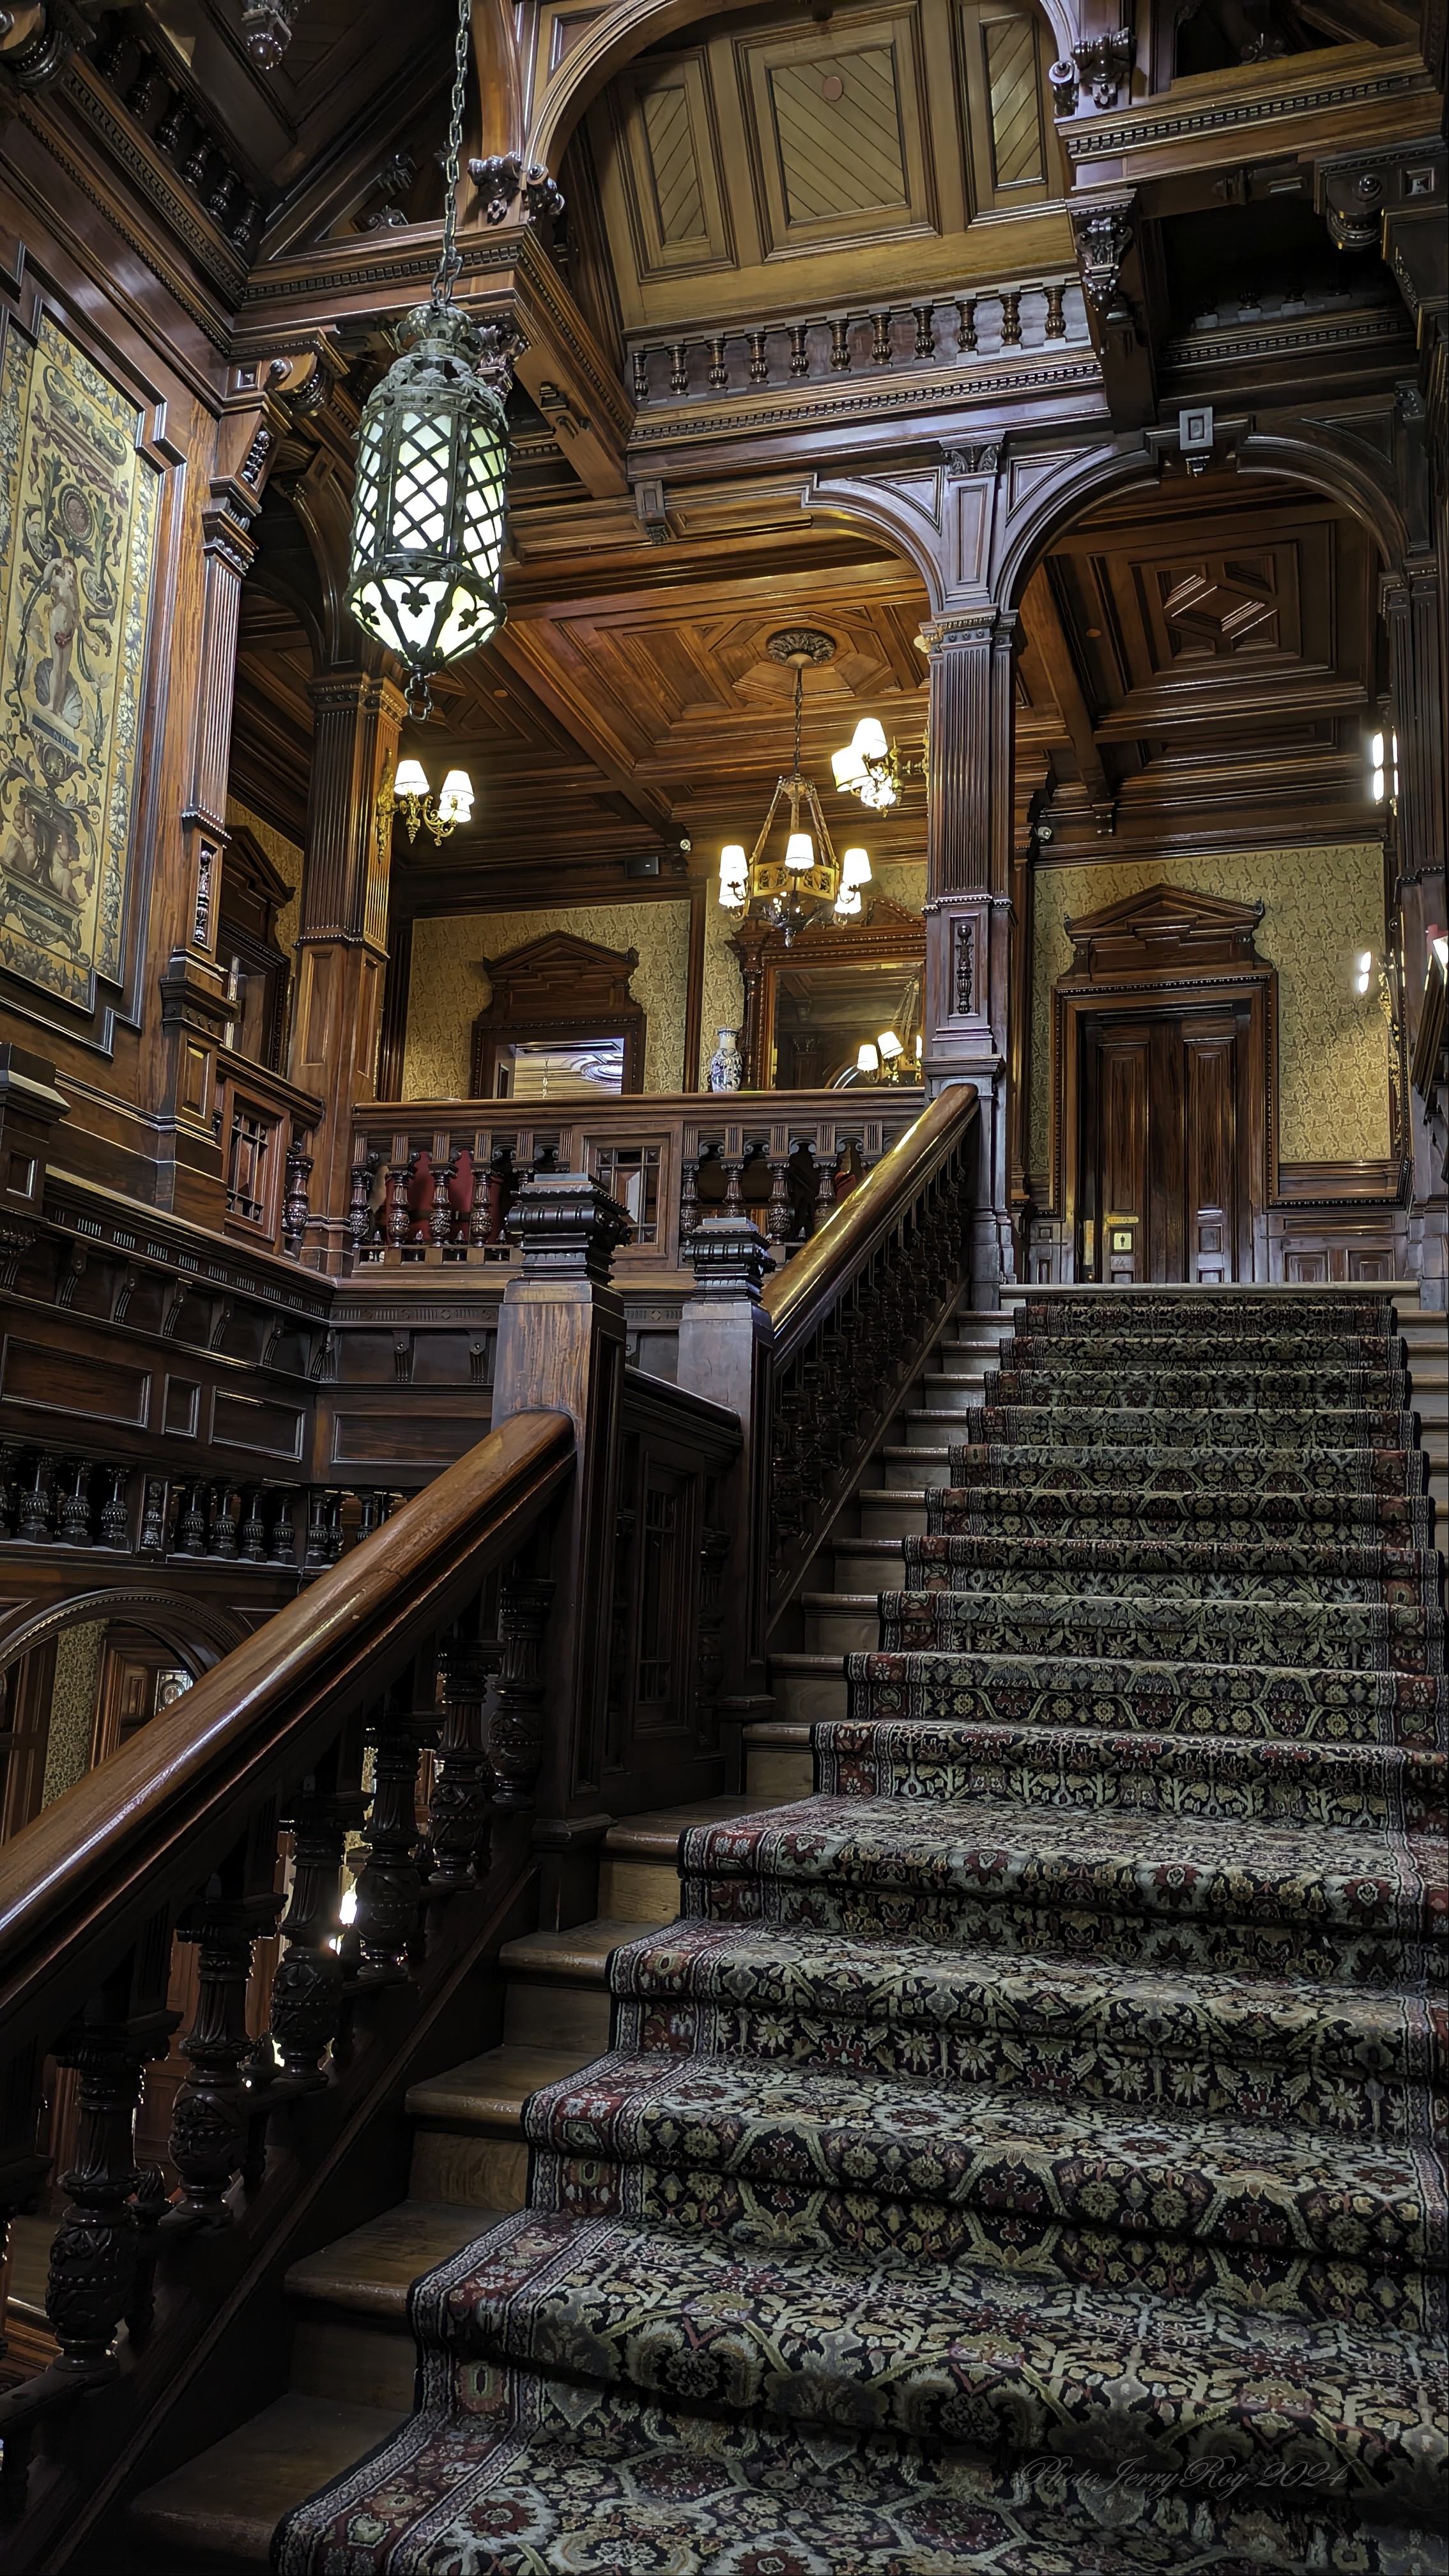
(867, 1060)
(409, 794)
(1384, 774)
(891, 1051)
(871, 768)
(1363, 971)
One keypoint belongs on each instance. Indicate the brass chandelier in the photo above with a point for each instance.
(803, 880)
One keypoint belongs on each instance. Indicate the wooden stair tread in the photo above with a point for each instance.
(821, 1603)
(373, 2269)
(776, 1730)
(802, 1662)
(489, 2092)
(581, 1953)
(229, 2500)
(655, 1836)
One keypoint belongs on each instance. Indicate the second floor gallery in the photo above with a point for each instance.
(721, 814)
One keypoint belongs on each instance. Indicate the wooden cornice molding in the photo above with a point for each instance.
(334, 285)
(1340, 98)
(214, 256)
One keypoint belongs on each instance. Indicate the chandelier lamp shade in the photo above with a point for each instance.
(792, 876)
(432, 461)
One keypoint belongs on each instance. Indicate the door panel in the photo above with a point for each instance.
(1163, 1196)
(1210, 1052)
(1123, 1184)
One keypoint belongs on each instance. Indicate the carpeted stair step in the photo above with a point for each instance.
(866, 2164)
(1359, 1636)
(1220, 1430)
(1093, 1767)
(1069, 1378)
(1335, 2060)
(1147, 1353)
(1149, 1468)
(1229, 1702)
(1247, 1569)
(1239, 1316)
(1329, 1904)
(1032, 1509)
(950, 2353)
(1193, 1778)
(604, 2482)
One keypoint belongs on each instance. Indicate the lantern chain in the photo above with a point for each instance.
(450, 263)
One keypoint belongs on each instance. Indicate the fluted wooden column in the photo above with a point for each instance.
(342, 942)
(968, 890)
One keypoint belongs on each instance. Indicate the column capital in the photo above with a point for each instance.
(963, 627)
(357, 693)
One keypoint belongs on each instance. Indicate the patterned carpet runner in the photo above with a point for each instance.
(1022, 2155)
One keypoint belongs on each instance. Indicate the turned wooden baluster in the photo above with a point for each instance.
(35, 1504)
(252, 1535)
(463, 1777)
(389, 1882)
(399, 1214)
(515, 1735)
(779, 1215)
(191, 1522)
(209, 2120)
(319, 1537)
(296, 1205)
(824, 1162)
(440, 1214)
(359, 1211)
(115, 1517)
(93, 2254)
(689, 1198)
(307, 1987)
(75, 1509)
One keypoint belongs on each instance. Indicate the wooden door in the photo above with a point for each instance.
(1164, 1186)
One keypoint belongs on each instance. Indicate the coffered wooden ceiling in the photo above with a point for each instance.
(769, 160)
(1213, 646)
(1196, 667)
(615, 717)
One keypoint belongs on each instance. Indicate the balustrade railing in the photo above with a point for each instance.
(61, 1499)
(237, 1806)
(433, 1181)
(937, 331)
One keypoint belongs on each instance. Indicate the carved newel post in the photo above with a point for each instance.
(561, 1350)
(725, 1344)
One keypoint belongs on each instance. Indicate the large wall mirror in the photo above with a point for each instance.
(813, 1005)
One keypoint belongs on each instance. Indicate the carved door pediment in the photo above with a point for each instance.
(558, 987)
(1163, 932)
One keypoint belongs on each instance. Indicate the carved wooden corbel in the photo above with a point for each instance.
(1103, 64)
(511, 193)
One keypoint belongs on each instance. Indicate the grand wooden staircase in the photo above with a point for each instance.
(352, 2354)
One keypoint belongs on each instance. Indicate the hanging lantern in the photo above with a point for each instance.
(427, 518)
(432, 464)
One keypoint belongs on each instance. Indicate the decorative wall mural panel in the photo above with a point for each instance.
(78, 517)
(1320, 907)
(449, 987)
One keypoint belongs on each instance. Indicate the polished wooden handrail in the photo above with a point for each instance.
(159, 1811)
(797, 1296)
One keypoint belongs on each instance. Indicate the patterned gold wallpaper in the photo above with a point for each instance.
(1320, 907)
(449, 985)
(78, 1654)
